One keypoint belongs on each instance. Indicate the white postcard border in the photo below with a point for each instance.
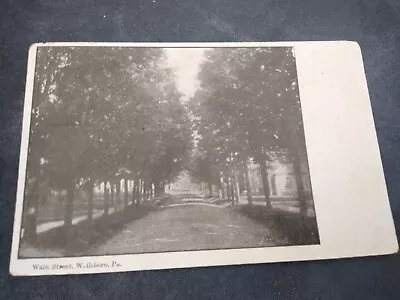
(335, 106)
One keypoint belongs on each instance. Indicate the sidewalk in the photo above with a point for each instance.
(55, 224)
(287, 204)
(43, 227)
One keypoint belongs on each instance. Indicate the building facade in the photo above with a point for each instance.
(281, 179)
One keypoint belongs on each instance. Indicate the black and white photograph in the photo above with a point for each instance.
(142, 150)
(144, 156)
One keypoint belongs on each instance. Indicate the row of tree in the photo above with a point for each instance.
(247, 108)
(100, 115)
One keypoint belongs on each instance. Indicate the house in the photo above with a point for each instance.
(281, 179)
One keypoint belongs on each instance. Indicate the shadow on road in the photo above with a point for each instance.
(187, 200)
(176, 222)
(79, 238)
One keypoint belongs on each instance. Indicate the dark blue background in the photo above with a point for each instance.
(374, 24)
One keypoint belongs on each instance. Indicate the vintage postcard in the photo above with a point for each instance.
(138, 156)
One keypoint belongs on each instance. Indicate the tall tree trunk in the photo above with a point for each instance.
(112, 194)
(118, 193)
(134, 191)
(126, 193)
(90, 200)
(156, 188)
(221, 180)
(35, 216)
(141, 191)
(237, 189)
(210, 189)
(145, 190)
(160, 188)
(264, 175)
(138, 185)
(153, 190)
(148, 190)
(301, 196)
(228, 190)
(30, 225)
(232, 190)
(106, 199)
(138, 190)
(247, 181)
(69, 206)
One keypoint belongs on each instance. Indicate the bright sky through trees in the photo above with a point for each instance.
(185, 62)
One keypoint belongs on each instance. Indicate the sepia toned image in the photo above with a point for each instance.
(147, 150)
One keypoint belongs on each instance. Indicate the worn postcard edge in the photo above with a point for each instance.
(364, 239)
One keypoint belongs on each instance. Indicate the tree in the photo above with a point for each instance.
(102, 112)
(248, 107)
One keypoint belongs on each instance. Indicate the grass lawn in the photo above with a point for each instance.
(297, 229)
